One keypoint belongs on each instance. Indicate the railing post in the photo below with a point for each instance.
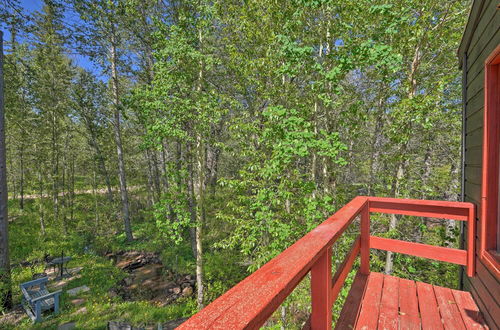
(471, 235)
(365, 240)
(321, 292)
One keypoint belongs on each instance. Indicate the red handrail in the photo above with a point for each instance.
(251, 302)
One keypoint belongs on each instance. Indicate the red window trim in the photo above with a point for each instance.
(491, 162)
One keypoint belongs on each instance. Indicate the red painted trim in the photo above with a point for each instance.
(420, 208)
(471, 246)
(321, 289)
(344, 269)
(365, 241)
(439, 253)
(491, 164)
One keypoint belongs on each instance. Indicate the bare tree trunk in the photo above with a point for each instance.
(100, 158)
(393, 217)
(21, 180)
(5, 279)
(118, 137)
(40, 202)
(201, 165)
(96, 206)
(452, 195)
(55, 170)
(376, 147)
(72, 189)
(395, 185)
(200, 215)
(151, 191)
(191, 199)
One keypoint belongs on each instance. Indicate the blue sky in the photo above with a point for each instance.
(30, 6)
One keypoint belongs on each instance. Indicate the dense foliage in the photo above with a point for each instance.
(220, 132)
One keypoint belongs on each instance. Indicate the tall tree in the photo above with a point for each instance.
(106, 37)
(5, 279)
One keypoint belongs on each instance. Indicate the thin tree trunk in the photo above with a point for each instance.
(72, 194)
(55, 173)
(5, 279)
(400, 173)
(191, 200)
(100, 159)
(452, 195)
(40, 202)
(393, 218)
(200, 220)
(201, 165)
(96, 206)
(21, 181)
(118, 138)
(151, 191)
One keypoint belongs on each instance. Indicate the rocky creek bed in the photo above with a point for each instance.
(148, 279)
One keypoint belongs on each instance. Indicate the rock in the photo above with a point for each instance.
(74, 271)
(78, 301)
(176, 290)
(187, 291)
(81, 310)
(67, 326)
(115, 325)
(80, 289)
(112, 294)
(39, 275)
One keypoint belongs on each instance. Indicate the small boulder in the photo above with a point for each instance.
(67, 326)
(75, 291)
(77, 301)
(187, 291)
(176, 290)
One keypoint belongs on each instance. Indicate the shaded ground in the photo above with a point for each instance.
(148, 280)
(128, 288)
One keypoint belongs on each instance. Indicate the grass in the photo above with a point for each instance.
(86, 244)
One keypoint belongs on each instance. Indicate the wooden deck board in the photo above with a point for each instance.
(429, 312)
(408, 305)
(389, 315)
(385, 302)
(368, 316)
(468, 309)
(450, 315)
(352, 305)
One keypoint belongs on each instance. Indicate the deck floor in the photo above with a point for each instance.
(379, 301)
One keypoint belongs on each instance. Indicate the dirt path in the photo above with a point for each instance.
(77, 192)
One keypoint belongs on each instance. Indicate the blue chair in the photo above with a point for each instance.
(37, 299)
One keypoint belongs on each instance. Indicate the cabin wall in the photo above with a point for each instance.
(485, 287)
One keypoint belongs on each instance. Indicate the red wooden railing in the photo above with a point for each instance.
(251, 302)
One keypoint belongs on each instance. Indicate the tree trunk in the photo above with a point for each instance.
(376, 147)
(21, 180)
(200, 212)
(55, 169)
(118, 138)
(191, 199)
(5, 279)
(100, 158)
(452, 195)
(40, 202)
(201, 165)
(393, 217)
